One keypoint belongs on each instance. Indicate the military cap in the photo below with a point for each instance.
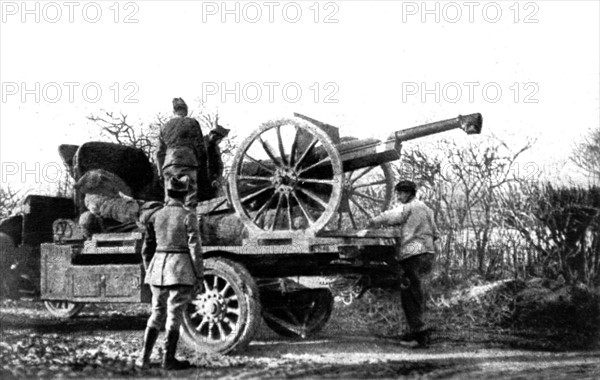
(179, 104)
(220, 131)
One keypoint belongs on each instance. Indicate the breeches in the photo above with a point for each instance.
(168, 304)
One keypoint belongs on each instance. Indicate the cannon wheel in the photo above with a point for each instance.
(225, 316)
(291, 179)
(305, 314)
(366, 193)
(63, 309)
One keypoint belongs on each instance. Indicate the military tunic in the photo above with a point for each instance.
(172, 241)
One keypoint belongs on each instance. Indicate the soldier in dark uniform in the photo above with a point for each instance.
(173, 260)
(183, 131)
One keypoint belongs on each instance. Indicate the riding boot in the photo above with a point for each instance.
(149, 339)
(169, 361)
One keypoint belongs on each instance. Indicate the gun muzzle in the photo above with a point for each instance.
(471, 124)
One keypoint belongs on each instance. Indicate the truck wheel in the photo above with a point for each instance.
(63, 309)
(299, 314)
(225, 316)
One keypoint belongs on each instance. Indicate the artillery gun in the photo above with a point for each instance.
(315, 175)
(296, 196)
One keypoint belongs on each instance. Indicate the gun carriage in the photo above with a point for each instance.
(296, 197)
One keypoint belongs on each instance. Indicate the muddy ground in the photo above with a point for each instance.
(103, 342)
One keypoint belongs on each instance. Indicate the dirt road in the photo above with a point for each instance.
(104, 342)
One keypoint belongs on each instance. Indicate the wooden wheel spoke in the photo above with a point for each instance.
(229, 323)
(363, 173)
(254, 178)
(280, 143)
(203, 323)
(276, 211)
(255, 194)
(264, 207)
(289, 211)
(354, 225)
(294, 150)
(269, 151)
(360, 208)
(308, 149)
(380, 182)
(260, 163)
(293, 318)
(211, 325)
(225, 289)
(304, 211)
(378, 200)
(313, 196)
(314, 180)
(320, 162)
(221, 331)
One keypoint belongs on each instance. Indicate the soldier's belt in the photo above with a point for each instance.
(172, 250)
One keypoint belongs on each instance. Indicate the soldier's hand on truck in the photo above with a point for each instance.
(362, 233)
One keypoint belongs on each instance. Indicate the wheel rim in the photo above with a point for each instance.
(302, 315)
(216, 314)
(366, 192)
(287, 177)
(62, 308)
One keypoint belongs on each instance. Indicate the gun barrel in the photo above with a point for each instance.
(471, 124)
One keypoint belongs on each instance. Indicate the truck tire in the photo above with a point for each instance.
(225, 316)
(63, 309)
(299, 314)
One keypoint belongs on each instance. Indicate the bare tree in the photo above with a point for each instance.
(9, 200)
(586, 154)
(117, 128)
(121, 131)
(462, 182)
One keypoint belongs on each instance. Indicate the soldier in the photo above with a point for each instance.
(183, 131)
(173, 260)
(415, 253)
(214, 159)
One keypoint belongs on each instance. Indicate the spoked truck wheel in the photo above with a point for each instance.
(298, 314)
(225, 316)
(63, 309)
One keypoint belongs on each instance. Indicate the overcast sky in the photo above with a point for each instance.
(370, 67)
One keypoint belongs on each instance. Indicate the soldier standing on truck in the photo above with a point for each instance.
(184, 132)
(172, 257)
(415, 251)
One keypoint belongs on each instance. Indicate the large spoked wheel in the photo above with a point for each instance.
(63, 309)
(287, 177)
(225, 316)
(299, 314)
(366, 193)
